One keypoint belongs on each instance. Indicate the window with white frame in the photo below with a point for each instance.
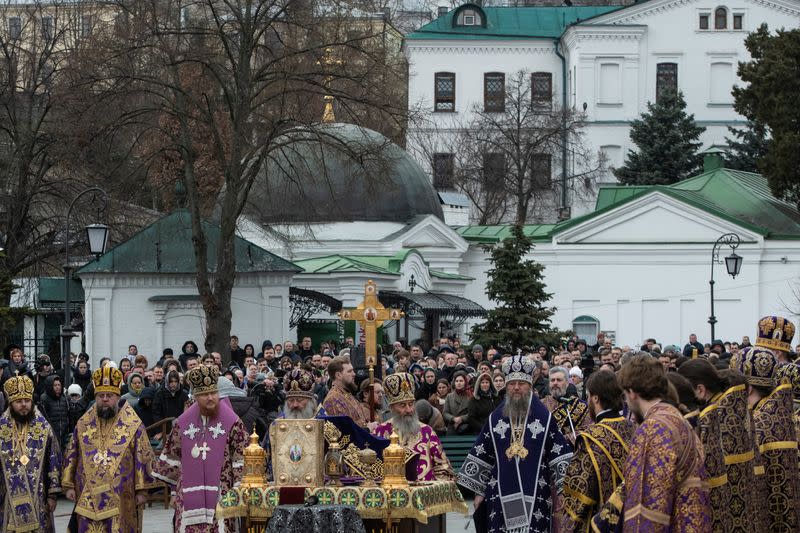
(721, 82)
(610, 81)
(738, 21)
(703, 22)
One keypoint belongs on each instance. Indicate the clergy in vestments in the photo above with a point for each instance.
(790, 374)
(738, 444)
(600, 452)
(340, 400)
(709, 388)
(414, 436)
(775, 437)
(108, 461)
(519, 457)
(203, 456)
(665, 485)
(30, 463)
(571, 413)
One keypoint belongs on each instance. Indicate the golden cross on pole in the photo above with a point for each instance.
(370, 314)
(329, 60)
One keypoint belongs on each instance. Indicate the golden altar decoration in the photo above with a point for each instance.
(418, 501)
(298, 452)
(255, 463)
(394, 464)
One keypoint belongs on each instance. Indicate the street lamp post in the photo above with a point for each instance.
(97, 235)
(733, 264)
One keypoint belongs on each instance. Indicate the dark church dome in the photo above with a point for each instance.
(339, 173)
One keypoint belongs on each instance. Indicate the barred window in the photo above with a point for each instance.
(47, 28)
(443, 170)
(14, 27)
(541, 171)
(494, 170)
(542, 90)
(666, 79)
(444, 91)
(494, 92)
(86, 25)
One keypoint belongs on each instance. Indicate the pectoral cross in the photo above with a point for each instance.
(370, 314)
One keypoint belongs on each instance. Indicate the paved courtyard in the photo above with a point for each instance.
(159, 520)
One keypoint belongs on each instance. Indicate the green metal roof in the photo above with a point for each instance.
(512, 23)
(165, 247)
(330, 264)
(742, 198)
(51, 290)
(377, 264)
(492, 234)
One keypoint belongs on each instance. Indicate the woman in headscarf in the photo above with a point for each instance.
(484, 400)
(427, 385)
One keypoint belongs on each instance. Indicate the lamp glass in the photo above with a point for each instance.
(98, 238)
(733, 264)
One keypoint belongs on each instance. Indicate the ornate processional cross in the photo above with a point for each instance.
(370, 315)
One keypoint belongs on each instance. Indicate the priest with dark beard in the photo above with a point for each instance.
(107, 470)
(418, 438)
(518, 459)
(30, 463)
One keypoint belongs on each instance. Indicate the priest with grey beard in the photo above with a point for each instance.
(300, 403)
(517, 465)
(418, 438)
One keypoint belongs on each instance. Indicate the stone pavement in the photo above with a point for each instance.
(159, 520)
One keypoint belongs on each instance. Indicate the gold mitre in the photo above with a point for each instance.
(19, 388)
(107, 379)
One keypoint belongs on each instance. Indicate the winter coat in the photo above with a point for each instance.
(82, 379)
(132, 397)
(168, 404)
(184, 355)
(456, 405)
(481, 405)
(146, 413)
(245, 407)
(40, 386)
(11, 369)
(55, 408)
(76, 410)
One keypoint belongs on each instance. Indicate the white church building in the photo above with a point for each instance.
(323, 219)
(609, 61)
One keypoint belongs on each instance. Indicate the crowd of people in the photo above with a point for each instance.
(646, 438)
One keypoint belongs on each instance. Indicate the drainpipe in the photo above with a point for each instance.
(563, 123)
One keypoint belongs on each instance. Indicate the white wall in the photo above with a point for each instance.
(635, 40)
(119, 312)
(663, 291)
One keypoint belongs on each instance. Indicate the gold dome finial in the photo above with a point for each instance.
(328, 60)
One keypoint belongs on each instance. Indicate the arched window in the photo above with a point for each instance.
(720, 18)
(469, 15)
(586, 327)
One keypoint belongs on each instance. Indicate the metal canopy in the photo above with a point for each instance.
(305, 303)
(427, 303)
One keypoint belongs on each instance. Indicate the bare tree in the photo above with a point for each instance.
(35, 177)
(506, 154)
(211, 88)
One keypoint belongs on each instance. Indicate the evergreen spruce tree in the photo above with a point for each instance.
(747, 147)
(772, 79)
(667, 141)
(521, 318)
